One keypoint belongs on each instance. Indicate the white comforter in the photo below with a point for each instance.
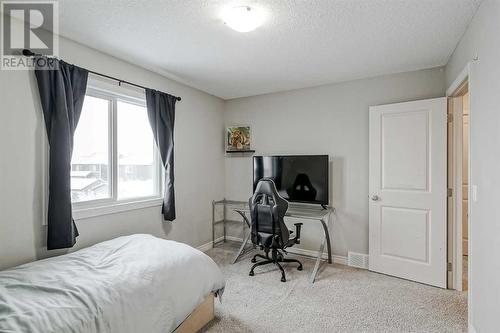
(139, 284)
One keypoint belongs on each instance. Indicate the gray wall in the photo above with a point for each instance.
(333, 120)
(482, 39)
(198, 152)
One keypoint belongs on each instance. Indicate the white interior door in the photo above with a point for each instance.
(408, 168)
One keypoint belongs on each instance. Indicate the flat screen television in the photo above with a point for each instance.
(298, 178)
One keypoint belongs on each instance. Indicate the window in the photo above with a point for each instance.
(115, 160)
(90, 164)
(137, 162)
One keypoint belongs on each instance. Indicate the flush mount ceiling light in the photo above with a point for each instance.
(243, 18)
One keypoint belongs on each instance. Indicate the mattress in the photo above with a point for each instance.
(136, 283)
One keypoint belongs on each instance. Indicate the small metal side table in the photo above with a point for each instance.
(295, 211)
(224, 204)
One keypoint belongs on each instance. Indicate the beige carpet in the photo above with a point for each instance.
(343, 299)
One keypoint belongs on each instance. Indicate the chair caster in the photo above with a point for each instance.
(299, 268)
(251, 273)
(253, 260)
(283, 279)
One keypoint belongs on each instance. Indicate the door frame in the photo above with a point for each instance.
(455, 182)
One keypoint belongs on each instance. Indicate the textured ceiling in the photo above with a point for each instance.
(302, 43)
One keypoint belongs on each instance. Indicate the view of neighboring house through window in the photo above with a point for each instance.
(90, 164)
(114, 155)
(137, 165)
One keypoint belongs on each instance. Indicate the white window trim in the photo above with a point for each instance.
(94, 208)
(86, 212)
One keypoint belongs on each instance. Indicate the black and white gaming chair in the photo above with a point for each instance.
(269, 231)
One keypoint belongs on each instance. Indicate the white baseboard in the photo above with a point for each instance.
(308, 253)
(311, 253)
(209, 245)
(205, 247)
(234, 239)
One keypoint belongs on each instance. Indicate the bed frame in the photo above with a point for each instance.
(200, 316)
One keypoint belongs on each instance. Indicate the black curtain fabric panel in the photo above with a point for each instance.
(62, 90)
(161, 114)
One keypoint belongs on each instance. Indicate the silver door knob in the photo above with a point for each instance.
(375, 197)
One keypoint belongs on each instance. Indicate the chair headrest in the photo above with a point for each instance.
(267, 187)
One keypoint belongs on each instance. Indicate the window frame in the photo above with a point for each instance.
(113, 204)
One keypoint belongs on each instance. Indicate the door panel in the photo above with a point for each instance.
(405, 233)
(402, 168)
(408, 190)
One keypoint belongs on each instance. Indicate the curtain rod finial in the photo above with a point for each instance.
(28, 53)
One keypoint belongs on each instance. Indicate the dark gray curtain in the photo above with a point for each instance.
(62, 91)
(161, 113)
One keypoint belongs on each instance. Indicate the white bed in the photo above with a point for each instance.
(136, 283)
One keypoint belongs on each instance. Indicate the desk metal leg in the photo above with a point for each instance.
(242, 248)
(244, 216)
(326, 239)
(245, 240)
(318, 261)
(327, 236)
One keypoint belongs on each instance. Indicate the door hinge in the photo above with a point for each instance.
(450, 117)
(450, 192)
(449, 267)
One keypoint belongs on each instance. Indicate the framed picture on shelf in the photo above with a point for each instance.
(238, 138)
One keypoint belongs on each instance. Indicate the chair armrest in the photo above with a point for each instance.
(297, 232)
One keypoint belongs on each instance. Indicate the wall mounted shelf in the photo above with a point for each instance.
(239, 151)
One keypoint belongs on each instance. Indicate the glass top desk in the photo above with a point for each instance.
(304, 213)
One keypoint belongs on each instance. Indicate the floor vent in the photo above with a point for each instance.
(359, 260)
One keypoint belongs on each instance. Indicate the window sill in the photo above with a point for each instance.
(82, 213)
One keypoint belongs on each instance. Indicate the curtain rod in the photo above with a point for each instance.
(29, 53)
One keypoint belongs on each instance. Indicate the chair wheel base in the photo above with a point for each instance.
(283, 279)
(253, 260)
(251, 273)
(299, 268)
